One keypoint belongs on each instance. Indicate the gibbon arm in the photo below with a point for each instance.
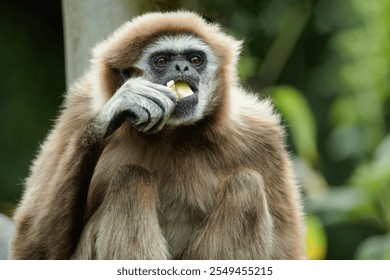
(53, 230)
(240, 226)
(51, 221)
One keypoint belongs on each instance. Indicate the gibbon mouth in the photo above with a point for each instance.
(193, 83)
(186, 106)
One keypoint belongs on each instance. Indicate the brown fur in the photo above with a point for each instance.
(220, 189)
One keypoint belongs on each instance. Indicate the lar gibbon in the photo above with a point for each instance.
(136, 169)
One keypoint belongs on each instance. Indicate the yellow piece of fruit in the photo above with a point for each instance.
(181, 88)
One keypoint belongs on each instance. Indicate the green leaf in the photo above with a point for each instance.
(247, 66)
(374, 175)
(374, 248)
(300, 120)
(316, 240)
(342, 204)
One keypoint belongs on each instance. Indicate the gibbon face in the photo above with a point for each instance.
(159, 50)
(181, 58)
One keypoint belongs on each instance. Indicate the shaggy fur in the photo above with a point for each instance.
(222, 188)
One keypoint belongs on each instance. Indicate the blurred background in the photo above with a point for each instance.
(325, 64)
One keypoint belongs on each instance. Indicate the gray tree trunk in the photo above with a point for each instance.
(86, 23)
(6, 232)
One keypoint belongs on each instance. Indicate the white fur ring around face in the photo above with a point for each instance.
(182, 89)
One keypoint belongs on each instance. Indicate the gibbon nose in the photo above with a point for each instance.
(182, 66)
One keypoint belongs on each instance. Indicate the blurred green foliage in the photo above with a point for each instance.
(31, 86)
(326, 65)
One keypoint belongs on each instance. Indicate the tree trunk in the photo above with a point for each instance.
(85, 24)
(7, 228)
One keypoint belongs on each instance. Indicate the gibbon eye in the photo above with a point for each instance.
(161, 61)
(196, 60)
